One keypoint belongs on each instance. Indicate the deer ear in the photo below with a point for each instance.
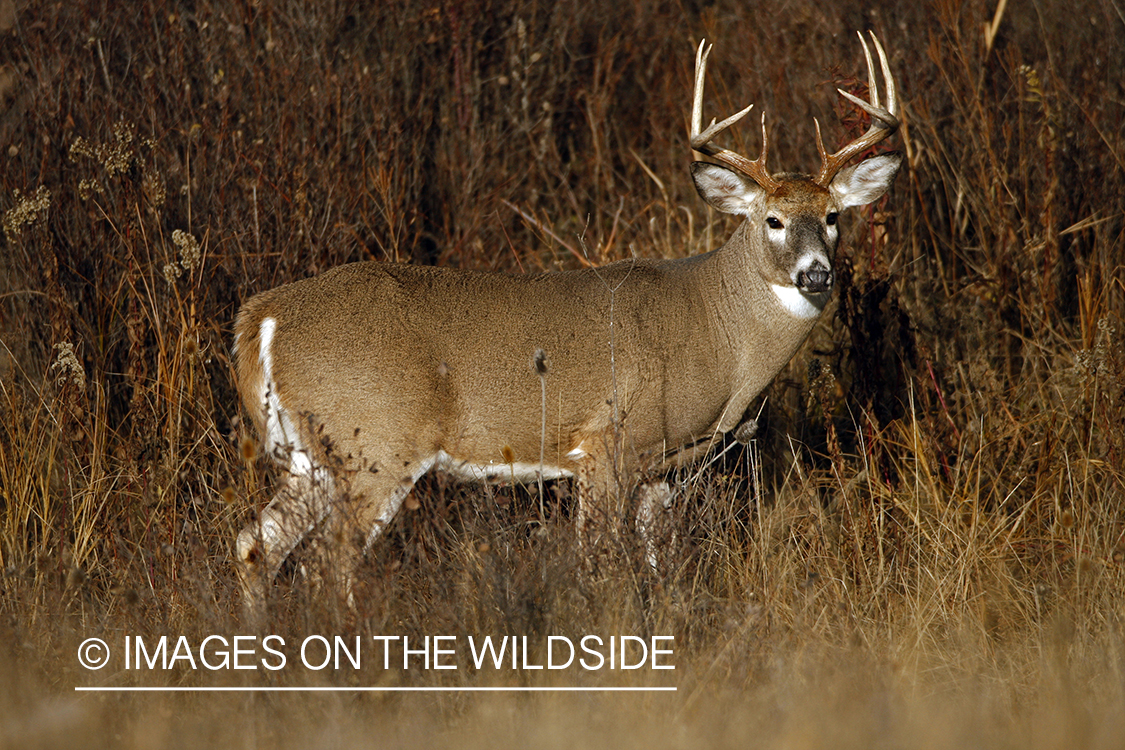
(866, 181)
(724, 189)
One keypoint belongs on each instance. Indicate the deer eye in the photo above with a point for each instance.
(774, 223)
(831, 218)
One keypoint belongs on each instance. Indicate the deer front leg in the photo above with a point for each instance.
(654, 499)
(601, 496)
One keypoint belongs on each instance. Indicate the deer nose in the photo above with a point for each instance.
(815, 279)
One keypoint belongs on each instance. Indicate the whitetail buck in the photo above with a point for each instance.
(368, 376)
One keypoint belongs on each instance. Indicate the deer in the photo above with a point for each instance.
(363, 379)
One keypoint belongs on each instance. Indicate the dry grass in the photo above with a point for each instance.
(924, 545)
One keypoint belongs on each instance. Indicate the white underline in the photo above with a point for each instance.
(373, 689)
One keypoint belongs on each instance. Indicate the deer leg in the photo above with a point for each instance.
(375, 499)
(653, 502)
(301, 503)
(600, 503)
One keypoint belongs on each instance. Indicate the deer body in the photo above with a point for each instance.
(687, 361)
(374, 373)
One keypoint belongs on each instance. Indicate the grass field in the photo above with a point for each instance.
(924, 546)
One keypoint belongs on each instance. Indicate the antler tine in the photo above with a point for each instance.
(697, 93)
(884, 119)
(701, 139)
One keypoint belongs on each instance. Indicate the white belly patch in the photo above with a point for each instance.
(517, 471)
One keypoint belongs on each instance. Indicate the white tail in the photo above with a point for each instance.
(363, 379)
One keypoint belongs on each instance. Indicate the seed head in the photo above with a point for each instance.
(539, 362)
(189, 249)
(66, 362)
(29, 210)
(249, 449)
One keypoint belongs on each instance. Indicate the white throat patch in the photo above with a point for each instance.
(791, 298)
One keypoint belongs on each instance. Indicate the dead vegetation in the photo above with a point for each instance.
(923, 544)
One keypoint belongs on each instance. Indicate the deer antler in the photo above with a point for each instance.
(701, 139)
(884, 120)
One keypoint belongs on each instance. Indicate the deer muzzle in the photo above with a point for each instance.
(815, 279)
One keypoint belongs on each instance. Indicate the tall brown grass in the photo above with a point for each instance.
(923, 545)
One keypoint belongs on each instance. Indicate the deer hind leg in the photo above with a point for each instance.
(355, 519)
(303, 501)
(377, 494)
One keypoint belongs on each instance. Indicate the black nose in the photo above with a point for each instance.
(815, 280)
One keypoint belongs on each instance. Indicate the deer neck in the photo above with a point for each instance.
(764, 323)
